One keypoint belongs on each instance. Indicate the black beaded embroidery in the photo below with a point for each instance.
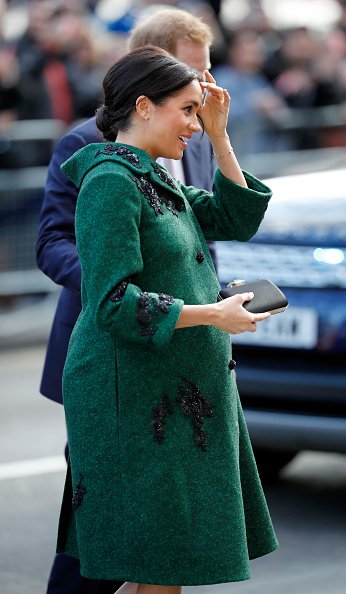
(162, 174)
(169, 205)
(79, 493)
(144, 316)
(195, 406)
(118, 293)
(180, 206)
(148, 308)
(155, 201)
(144, 185)
(122, 151)
(164, 301)
(160, 412)
(232, 365)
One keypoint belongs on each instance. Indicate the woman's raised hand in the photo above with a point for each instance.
(214, 111)
(233, 318)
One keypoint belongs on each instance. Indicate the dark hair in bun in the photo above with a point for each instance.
(149, 71)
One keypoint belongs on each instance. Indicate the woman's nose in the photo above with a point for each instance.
(195, 126)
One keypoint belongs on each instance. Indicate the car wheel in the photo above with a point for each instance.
(270, 462)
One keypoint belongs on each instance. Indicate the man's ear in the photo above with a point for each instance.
(143, 107)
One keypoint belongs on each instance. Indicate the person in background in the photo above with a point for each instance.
(288, 66)
(9, 95)
(254, 100)
(305, 72)
(189, 39)
(9, 75)
(342, 19)
(58, 73)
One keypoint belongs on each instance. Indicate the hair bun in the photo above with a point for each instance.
(105, 122)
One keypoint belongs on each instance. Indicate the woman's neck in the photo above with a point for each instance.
(135, 140)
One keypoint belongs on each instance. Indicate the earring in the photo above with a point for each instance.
(146, 117)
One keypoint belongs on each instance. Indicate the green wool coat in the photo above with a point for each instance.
(162, 485)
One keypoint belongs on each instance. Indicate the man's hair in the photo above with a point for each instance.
(164, 28)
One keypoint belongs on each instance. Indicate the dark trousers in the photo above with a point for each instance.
(65, 578)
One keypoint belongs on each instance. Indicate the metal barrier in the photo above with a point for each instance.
(27, 297)
(25, 151)
(21, 194)
(29, 143)
(292, 162)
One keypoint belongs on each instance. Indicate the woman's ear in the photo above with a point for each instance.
(143, 107)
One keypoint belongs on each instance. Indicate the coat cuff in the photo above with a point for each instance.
(157, 316)
(245, 206)
(256, 192)
(142, 317)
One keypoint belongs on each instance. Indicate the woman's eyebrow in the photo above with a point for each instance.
(194, 103)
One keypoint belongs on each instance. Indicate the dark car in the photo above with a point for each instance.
(291, 373)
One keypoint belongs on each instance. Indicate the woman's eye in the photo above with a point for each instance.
(188, 108)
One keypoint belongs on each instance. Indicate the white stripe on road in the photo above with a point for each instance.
(36, 466)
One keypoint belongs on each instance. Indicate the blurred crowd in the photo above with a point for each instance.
(52, 65)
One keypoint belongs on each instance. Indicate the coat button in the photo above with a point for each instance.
(232, 364)
(200, 257)
(180, 206)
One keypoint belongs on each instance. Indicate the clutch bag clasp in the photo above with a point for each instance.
(237, 282)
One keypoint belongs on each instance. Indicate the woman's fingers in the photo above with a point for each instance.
(227, 98)
(209, 76)
(256, 317)
(213, 89)
(211, 85)
(246, 296)
(235, 318)
(262, 316)
(210, 88)
(243, 298)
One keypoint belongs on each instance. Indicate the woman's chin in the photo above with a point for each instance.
(175, 155)
(178, 154)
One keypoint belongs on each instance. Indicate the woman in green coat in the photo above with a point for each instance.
(162, 488)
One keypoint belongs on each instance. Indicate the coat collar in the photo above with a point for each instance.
(140, 162)
(134, 159)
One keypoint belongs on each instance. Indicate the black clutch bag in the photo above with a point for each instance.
(267, 296)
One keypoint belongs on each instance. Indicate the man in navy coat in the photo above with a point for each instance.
(189, 40)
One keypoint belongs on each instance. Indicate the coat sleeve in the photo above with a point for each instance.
(230, 211)
(56, 250)
(108, 219)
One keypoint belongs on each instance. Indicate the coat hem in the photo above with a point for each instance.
(129, 577)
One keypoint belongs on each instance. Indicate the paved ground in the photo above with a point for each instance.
(307, 506)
